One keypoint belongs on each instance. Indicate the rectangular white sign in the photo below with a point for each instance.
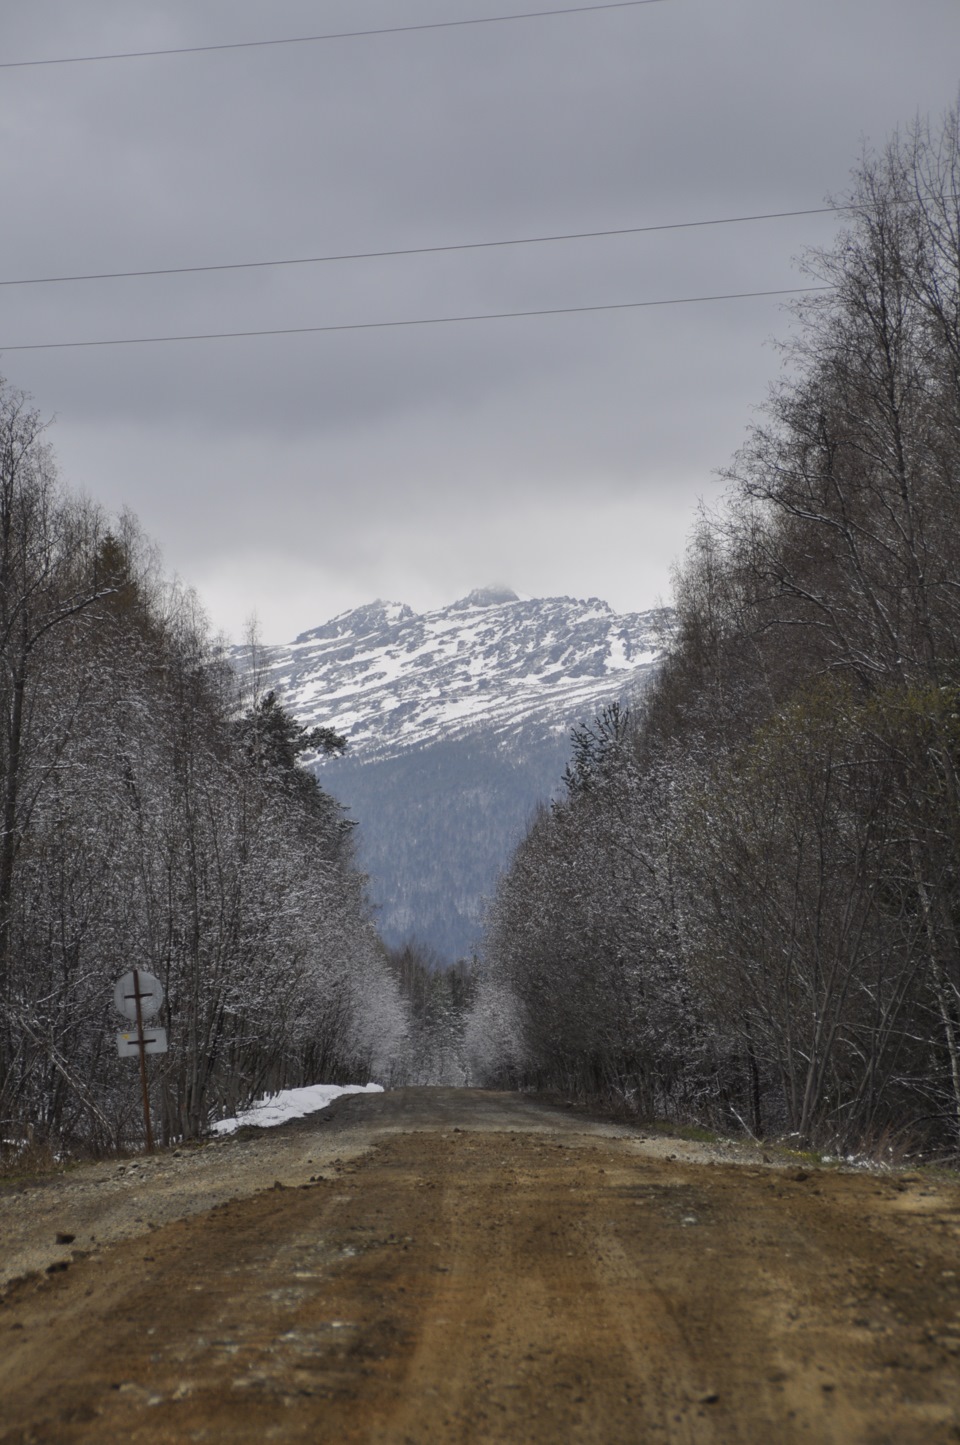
(154, 1042)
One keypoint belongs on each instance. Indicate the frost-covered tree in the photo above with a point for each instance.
(148, 822)
(748, 907)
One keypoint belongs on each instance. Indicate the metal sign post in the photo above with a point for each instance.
(137, 995)
(143, 1062)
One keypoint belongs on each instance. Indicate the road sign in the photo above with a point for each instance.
(136, 995)
(128, 1042)
(150, 992)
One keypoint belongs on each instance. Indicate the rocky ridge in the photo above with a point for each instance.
(391, 679)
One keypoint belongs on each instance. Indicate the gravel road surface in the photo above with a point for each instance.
(439, 1265)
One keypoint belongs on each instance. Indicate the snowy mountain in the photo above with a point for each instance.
(458, 723)
(391, 679)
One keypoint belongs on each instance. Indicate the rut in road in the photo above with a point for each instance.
(491, 1270)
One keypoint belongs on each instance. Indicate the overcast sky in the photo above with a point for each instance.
(296, 476)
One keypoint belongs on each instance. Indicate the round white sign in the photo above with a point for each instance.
(128, 987)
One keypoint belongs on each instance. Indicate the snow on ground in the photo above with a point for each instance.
(291, 1104)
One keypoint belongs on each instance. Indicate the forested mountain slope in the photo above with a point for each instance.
(458, 724)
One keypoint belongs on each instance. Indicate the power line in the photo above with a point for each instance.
(423, 250)
(414, 321)
(332, 35)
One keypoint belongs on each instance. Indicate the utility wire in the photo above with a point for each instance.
(424, 250)
(414, 321)
(332, 35)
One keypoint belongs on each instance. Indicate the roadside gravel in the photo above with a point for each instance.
(104, 1203)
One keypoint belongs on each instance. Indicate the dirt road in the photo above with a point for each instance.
(479, 1268)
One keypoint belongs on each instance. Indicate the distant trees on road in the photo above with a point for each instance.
(438, 997)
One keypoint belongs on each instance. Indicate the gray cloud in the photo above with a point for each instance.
(296, 476)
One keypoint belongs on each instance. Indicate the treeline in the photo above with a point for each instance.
(439, 998)
(746, 908)
(151, 817)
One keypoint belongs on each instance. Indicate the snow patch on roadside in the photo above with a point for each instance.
(291, 1104)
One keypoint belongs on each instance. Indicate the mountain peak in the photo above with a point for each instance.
(493, 596)
(360, 621)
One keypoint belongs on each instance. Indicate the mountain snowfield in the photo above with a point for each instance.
(458, 722)
(389, 678)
